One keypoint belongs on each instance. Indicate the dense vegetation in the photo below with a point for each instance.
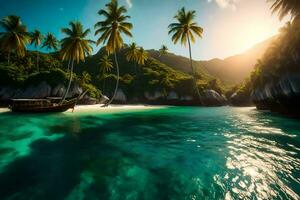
(136, 70)
(283, 54)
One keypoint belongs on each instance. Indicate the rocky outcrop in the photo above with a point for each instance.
(153, 96)
(39, 91)
(103, 100)
(212, 98)
(172, 96)
(280, 96)
(239, 99)
(120, 96)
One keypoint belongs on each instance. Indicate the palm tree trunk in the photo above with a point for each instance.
(69, 65)
(104, 85)
(8, 58)
(193, 70)
(117, 83)
(37, 61)
(69, 85)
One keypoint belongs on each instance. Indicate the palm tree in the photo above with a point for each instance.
(15, 36)
(185, 30)
(50, 42)
(74, 47)
(163, 50)
(111, 29)
(106, 66)
(286, 7)
(131, 54)
(36, 39)
(142, 56)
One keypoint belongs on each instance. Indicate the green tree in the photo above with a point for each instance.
(50, 42)
(111, 29)
(106, 66)
(185, 30)
(163, 50)
(131, 54)
(15, 36)
(36, 39)
(142, 56)
(74, 47)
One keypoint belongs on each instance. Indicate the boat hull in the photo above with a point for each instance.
(44, 109)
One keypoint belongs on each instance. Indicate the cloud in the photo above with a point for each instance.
(129, 3)
(226, 3)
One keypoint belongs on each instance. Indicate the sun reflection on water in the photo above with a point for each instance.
(261, 163)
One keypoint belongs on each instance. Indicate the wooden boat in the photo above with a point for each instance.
(41, 105)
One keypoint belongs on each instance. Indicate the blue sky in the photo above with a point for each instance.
(230, 26)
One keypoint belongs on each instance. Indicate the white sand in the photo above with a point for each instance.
(4, 110)
(112, 108)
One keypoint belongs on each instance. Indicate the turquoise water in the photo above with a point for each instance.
(167, 153)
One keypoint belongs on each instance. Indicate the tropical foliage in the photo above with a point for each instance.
(110, 30)
(286, 7)
(50, 42)
(15, 36)
(75, 47)
(36, 38)
(186, 30)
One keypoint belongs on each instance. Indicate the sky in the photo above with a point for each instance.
(230, 26)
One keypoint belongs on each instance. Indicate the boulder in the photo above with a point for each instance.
(87, 101)
(186, 98)
(74, 91)
(212, 98)
(6, 93)
(120, 96)
(39, 91)
(103, 100)
(58, 91)
(172, 96)
(281, 96)
(237, 99)
(153, 96)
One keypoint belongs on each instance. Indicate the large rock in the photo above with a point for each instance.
(6, 93)
(39, 91)
(120, 96)
(212, 98)
(238, 99)
(282, 95)
(153, 96)
(58, 91)
(186, 98)
(103, 100)
(172, 96)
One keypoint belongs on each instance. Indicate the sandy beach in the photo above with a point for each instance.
(98, 107)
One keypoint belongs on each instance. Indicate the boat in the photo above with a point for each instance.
(41, 105)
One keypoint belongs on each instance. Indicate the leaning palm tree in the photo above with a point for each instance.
(106, 66)
(286, 7)
(36, 39)
(15, 36)
(50, 42)
(163, 50)
(142, 56)
(185, 30)
(131, 54)
(74, 47)
(111, 28)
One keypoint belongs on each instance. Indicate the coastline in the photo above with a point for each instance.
(110, 108)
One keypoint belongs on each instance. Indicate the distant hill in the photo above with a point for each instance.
(236, 68)
(180, 63)
(231, 70)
